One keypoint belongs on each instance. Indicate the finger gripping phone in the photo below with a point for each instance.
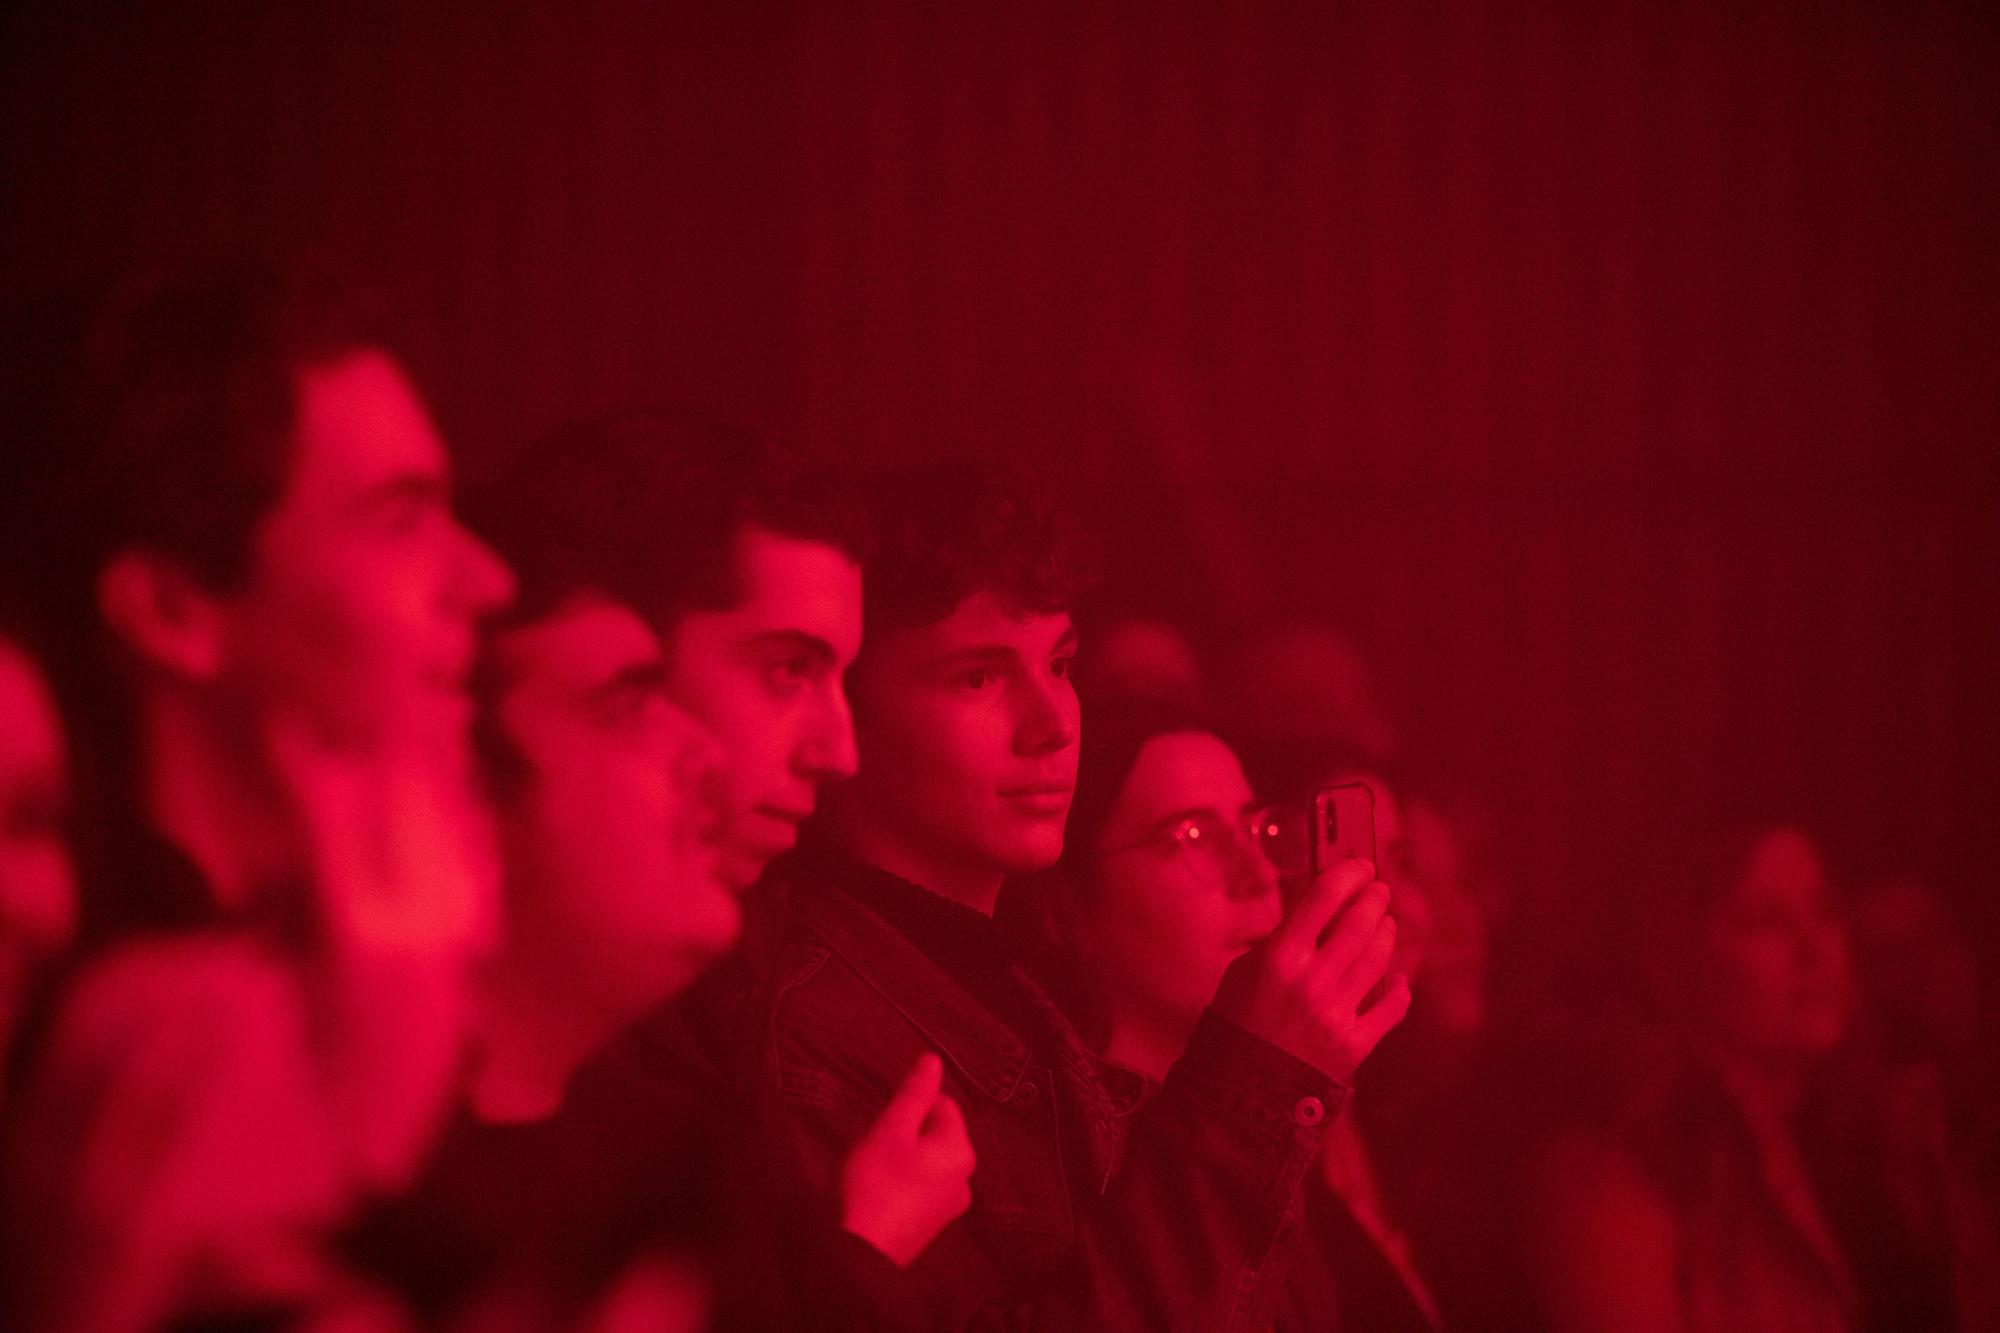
(1343, 824)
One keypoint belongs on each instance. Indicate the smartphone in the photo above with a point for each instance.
(1343, 824)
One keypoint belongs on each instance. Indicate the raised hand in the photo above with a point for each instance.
(911, 1172)
(403, 879)
(1303, 987)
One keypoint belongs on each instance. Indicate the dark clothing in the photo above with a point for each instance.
(1094, 1206)
(646, 1159)
(1343, 1280)
(1849, 1215)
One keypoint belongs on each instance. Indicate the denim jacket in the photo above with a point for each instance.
(1095, 1205)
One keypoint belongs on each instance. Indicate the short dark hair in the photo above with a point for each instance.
(953, 527)
(185, 405)
(645, 505)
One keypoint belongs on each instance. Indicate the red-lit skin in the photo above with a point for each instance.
(968, 731)
(37, 878)
(364, 591)
(614, 901)
(1773, 983)
(1160, 937)
(358, 625)
(765, 678)
(307, 724)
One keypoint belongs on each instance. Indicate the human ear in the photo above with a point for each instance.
(155, 607)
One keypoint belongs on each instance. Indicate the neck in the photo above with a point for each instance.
(974, 886)
(1148, 1047)
(1769, 1089)
(205, 791)
(545, 1016)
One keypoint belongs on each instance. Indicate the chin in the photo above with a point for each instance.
(1026, 855)
(737, 868)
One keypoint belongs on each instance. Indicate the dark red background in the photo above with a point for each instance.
(1624, 374)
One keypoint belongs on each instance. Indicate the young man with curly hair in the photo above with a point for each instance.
(1099, 1201)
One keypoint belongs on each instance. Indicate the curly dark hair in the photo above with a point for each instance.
(953, 527)
(644, 505)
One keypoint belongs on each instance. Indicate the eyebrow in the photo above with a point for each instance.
(1249, 807)
(793, 640)
(1167, 821)
(976, 653)
(645, 676)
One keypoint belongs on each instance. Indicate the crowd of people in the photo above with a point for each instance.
(679, 883)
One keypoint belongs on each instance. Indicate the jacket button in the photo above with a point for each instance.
(1310, 1111)
(1027, 1094)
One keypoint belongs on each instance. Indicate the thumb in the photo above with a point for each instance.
(904, 1116)
(945, 1125)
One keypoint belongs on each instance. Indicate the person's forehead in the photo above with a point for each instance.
(361, 423)
(981, 622)
(1185, 770)
(581, 645)
(797, 583)
(1785, 864)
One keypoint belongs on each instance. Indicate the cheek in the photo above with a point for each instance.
(751, 727)
(1750, 982)
(927, 762)
(605, 821)
(1168, 944)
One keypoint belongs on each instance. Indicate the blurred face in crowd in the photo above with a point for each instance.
(611, 827)
(765, 677)
(968, 732)
(363, 594)
(1918, 967)
(1773, 967)
(1145, 659)
(1179, 886)
(1454, 991)
(37, 881)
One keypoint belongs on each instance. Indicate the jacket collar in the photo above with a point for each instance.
(982, 1048)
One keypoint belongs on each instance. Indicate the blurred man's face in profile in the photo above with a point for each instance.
(1454, 990)
(764, 677)
(969, 730)
(610, 832)
(364, 591)
(37, 880)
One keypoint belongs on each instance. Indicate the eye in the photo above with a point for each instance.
(1198, 833)
(405, 514)
(976, 678)
(1060, 667)
(788, 675)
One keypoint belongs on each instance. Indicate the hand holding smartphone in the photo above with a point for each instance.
(1343, 825)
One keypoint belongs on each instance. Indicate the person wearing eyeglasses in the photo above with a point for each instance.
(1171, 872)
(1098, 1203)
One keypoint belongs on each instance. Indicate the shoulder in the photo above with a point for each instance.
(212, 995)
